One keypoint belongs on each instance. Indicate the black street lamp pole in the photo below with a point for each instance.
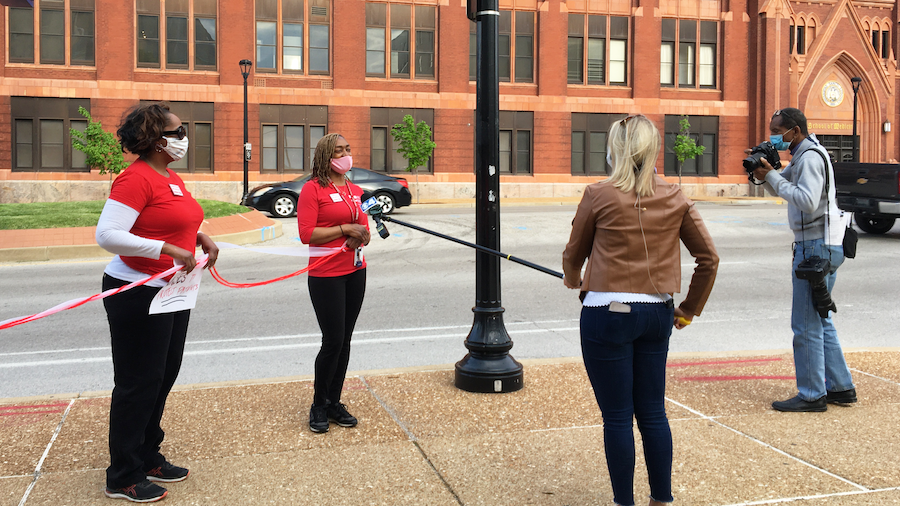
(855, 81)
(245, 71)
(487, 367)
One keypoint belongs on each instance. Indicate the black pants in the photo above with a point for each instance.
(147, 352)
(337, 302)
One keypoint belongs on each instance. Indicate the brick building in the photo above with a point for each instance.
(568, 69)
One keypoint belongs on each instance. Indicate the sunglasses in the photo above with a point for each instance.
(624, 121)
(180, 133)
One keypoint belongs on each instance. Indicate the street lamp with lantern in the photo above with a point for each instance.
(245, 71)
(855, 81)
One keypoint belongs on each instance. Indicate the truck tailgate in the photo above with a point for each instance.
(866, 186)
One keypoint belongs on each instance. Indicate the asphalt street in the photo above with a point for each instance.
(419, 298)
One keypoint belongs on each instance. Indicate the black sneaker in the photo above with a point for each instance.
(798, 405)
(139, 492)
(318, 420)
(339, 415)
(167, 473)
(842, 397)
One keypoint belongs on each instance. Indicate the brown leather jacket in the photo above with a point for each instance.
(607, 232)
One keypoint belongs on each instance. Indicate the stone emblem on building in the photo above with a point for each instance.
(832, 93)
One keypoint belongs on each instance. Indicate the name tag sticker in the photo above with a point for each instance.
(176, 190)
(335, 197)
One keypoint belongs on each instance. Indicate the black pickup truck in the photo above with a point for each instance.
(871, 191)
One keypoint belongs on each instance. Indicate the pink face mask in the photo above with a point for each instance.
(342, 165)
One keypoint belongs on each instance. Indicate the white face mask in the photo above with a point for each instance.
(175, 148)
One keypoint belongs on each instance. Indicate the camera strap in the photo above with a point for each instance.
(827, 203)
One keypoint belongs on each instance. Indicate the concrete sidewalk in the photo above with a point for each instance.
(421, 441)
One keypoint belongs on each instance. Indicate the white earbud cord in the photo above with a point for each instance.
(640, 210)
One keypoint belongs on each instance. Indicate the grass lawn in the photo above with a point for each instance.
(83, 214)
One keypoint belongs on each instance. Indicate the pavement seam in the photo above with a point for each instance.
(412, 439)
(767, 445)
(876, 377)
(812, 497)
(37, 469)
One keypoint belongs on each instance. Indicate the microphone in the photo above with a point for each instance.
(373, 208)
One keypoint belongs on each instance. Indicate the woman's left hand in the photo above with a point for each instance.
(209, 247)
(682, 319)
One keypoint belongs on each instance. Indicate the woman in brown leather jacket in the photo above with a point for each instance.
(628, 228)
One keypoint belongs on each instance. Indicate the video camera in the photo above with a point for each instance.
(373, 208)
(765, 150)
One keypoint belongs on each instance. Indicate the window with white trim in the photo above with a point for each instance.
(59, 32)
(176, 34)
(292, 36)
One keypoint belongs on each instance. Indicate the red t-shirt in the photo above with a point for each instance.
(167, 210)
(329, 207)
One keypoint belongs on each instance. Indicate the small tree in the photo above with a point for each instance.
(415, 144)
(101, 147)
(685, 148)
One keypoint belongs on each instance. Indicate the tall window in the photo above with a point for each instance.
(515, 141)
(400, 38)
(515, 47)
(598, 50)
(881, 42)
(705, 132)
(589, 143)
(45, 25)
(176, 34)
(385, 157)
(797, 39)
(289, 134)
(40, 134)
(688, 55)
(292, 36)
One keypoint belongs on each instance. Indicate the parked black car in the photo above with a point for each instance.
(280, 199)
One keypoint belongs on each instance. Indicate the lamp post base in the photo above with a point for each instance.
(488, 367)
(489, 375)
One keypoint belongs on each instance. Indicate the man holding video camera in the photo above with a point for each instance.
(807, 184)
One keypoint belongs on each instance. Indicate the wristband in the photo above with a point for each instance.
(342, 229)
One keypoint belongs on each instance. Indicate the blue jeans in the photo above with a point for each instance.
(625, 358)
(818, 358)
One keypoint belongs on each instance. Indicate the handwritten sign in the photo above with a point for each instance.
(179, 294)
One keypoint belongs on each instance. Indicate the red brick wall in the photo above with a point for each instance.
(552, 142)
(115, 41)
(454, 136)
(349, 55)
(452, 59)
(353, 123)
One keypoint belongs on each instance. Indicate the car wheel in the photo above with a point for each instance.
(386, 201)
(873, 225)
(284, 206)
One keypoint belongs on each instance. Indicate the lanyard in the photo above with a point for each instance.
(354, 210)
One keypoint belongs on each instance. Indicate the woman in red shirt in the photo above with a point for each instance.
(149, 221)
(329, 215)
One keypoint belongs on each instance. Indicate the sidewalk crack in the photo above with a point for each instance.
(412, 439)
(37, 469)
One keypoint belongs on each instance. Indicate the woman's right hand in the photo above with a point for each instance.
(181, 256)
(357, 235)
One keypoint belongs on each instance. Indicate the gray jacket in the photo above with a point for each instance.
(802, 185)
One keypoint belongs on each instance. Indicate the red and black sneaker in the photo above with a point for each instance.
(139, 492)
(167, 473)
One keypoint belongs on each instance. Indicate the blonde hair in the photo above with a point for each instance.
(633, 144)
(322, 158)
